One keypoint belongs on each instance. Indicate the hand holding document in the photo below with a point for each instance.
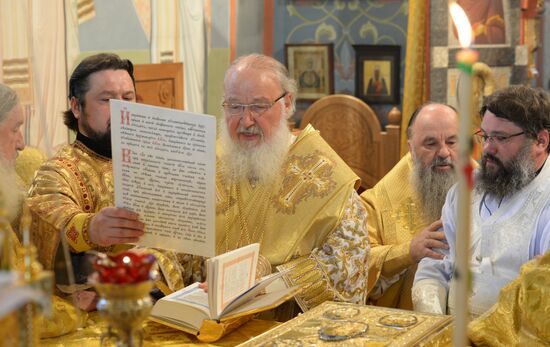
(164, 170)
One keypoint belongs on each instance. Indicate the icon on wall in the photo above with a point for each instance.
(377, 73)
(311, 65)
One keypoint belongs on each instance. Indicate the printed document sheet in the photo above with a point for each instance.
(164, 169)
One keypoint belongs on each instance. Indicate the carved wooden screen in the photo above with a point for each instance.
(160, 84)
(354, 132)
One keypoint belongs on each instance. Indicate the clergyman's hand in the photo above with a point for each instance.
(112, 225)
(428, 239)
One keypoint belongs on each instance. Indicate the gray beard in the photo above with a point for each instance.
(11, 194)
(260, 164)
(509, 178)
(432, 187)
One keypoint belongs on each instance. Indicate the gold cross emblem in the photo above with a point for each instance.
(304, 177)
(406, 216)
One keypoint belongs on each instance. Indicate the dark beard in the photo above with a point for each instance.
(102, 139)
(506, 179)
(432, 186)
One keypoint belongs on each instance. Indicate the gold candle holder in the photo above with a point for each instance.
(125, 307)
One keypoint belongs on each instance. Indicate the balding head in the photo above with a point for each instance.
(432, 133)
(265, 65)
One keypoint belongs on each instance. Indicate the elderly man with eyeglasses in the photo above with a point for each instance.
(292, 194)
(510, 204)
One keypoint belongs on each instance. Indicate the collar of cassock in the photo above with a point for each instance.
(96, 146)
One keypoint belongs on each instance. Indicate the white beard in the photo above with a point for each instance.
(260, 163)
(11, 194)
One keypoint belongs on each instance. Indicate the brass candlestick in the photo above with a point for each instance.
(123, 282)
(37, 278)
(125, 307)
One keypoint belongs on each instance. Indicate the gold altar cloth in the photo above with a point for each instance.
(385, 327)
(156, 335)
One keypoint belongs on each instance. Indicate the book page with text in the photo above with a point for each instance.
(234, 273)
(164, 167)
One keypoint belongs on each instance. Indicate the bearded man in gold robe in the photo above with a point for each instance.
(16, 171)
(291, 193)
(309, 206)
(72, 195)
(404, 208)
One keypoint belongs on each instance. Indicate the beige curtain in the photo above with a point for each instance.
(178, 35)
(50, 77)
(72, 22)
(415, 67)
(14, 38)
(33, 63)
(193, 54)
(165, 31)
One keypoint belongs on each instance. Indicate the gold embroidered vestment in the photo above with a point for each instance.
(521, 315)
(310, 220)
(67, 192)
(64, 316)
(394, 220)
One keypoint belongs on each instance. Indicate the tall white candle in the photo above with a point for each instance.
(465, 59)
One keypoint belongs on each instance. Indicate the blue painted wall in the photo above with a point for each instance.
(344, 23)
(115, 27)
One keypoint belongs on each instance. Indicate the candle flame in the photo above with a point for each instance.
(463, 26)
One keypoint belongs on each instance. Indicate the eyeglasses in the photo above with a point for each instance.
(256, 110)
(496, 139)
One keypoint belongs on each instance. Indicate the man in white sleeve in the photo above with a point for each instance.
(510, 204)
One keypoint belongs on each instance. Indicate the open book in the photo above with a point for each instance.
(232, 293)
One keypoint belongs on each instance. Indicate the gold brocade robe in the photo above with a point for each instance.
(64, 316)
(521, 315)
(310, 219)
(67, 192)
(394, 219)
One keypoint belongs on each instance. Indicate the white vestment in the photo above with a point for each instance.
(505, 234)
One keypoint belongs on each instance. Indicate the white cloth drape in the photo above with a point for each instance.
(178, 35)
(193, 54)
(14, 39)
(165, 37)
(33, 63)
(50, 77)
(72, 22)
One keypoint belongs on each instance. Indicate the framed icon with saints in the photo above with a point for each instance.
(311, 65)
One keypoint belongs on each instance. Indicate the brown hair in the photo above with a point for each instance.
(526, 107)
(78, 83)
